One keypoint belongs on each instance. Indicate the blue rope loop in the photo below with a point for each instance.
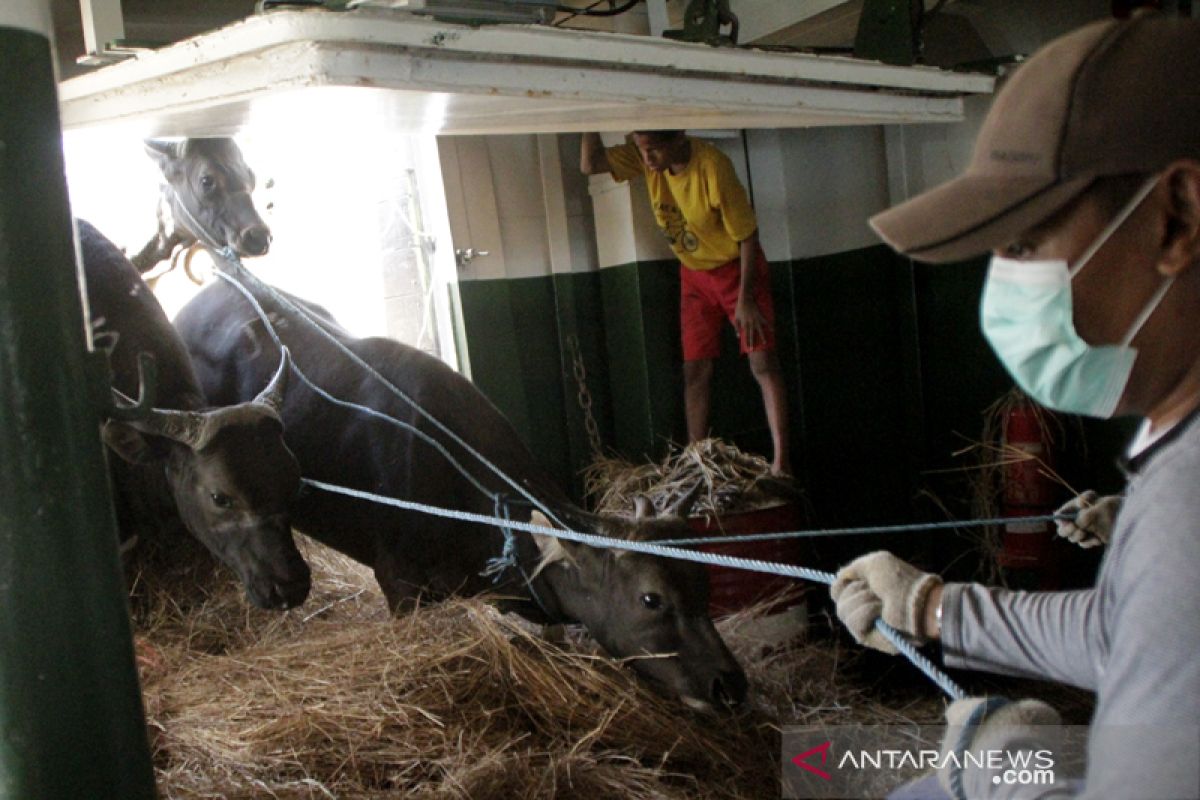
(508, 559)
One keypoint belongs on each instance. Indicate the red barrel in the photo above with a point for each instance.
(736, 589)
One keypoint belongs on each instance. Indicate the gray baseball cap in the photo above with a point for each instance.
(1111, 98)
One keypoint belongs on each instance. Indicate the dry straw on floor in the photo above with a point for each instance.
(337, 699)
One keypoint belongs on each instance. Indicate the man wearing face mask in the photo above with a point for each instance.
(1085, 185)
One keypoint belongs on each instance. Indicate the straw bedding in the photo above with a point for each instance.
(338, 699)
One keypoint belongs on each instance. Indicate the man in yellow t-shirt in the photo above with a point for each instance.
(702, 209)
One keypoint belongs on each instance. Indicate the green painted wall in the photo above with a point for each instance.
(855, 360)
(641, 334)
(887, 371)
(516, 334)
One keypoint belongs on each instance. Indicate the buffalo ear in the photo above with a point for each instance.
(131, 444)
(165, 153)
(588, 561)
(551, 547)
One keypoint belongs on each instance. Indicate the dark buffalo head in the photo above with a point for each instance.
(209, 193)
(232, 479)
(650, 610)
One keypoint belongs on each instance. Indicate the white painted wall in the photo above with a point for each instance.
(523, 199)
(581, 223)
(920, 157)
(815, 189)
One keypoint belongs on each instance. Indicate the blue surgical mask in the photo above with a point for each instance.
(1026, 314)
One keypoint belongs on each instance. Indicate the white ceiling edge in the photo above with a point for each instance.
(419, 75)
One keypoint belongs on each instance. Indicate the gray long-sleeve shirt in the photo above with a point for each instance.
(1134, 638)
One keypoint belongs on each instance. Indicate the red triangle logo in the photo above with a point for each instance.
(801, 760)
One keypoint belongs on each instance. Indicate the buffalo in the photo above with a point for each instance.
(649, 610)
(205, 197)
(224, 473)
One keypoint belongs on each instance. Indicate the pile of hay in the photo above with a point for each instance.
(733, 481)
(338, 699)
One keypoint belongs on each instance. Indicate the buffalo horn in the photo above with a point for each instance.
(185, 427)
(683, 506)
(272, 396)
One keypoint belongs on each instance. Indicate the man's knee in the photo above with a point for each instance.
(698, 372)
(764, 363)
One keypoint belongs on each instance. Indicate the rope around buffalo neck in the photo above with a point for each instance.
(894, 636)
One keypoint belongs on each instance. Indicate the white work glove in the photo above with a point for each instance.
(1093, 524)
(1013, 721)
(881, 585)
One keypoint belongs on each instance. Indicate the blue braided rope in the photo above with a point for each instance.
(590, 539)
(915, 526)
(653, 548)
(906, 647)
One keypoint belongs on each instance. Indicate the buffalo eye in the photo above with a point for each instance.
(207, 183)
(652, 601)
(221, 500)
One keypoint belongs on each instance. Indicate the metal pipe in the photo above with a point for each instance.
(71, 723)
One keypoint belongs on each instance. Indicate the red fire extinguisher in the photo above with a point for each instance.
(1028, 491)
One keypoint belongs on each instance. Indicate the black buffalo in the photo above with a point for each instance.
(225, 473)
(651, 610)
(205, 196)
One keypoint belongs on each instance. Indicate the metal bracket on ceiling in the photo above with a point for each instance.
(104, 39)
(702, 22)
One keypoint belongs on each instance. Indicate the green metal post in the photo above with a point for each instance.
(71, 723)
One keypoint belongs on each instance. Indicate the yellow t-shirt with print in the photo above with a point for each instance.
(703, 211)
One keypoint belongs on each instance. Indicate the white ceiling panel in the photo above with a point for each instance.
(419, 75)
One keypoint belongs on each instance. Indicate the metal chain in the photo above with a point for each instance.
(585, 397)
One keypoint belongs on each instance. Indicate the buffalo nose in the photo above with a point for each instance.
(255, 241)
(729, 688)
(292, 593)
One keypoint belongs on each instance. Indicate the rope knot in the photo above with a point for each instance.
(508, 554)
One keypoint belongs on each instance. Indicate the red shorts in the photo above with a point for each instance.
(709, 297)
